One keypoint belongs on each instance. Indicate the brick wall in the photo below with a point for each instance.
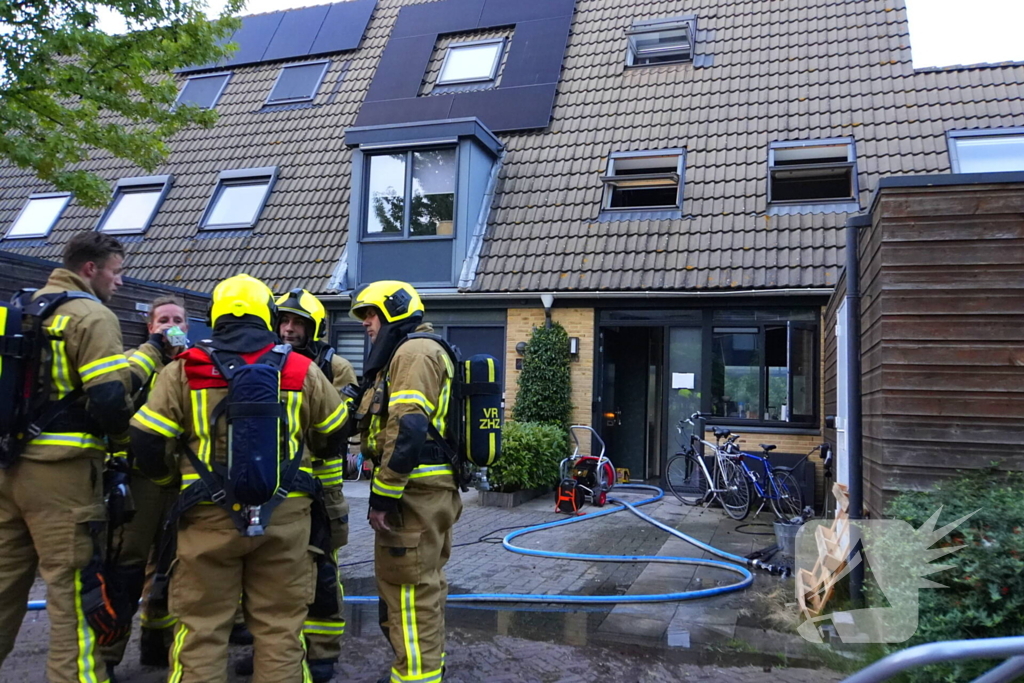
(578, 322)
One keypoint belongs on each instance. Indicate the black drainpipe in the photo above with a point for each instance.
(854, 433)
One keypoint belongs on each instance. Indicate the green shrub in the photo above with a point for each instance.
(545, 389)
(985, 593)
(530, 455)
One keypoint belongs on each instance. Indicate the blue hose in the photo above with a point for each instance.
(733, 563)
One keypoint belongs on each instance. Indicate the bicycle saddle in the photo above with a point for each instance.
(720, 432)
(766, 447)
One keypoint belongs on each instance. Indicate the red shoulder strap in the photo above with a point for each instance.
(293, 374)
(203, 374)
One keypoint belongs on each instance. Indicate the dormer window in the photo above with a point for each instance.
(412, 194)
(661, 41)
(644, 180)
(471, 62)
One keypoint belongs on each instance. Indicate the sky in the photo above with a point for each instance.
(942, 32)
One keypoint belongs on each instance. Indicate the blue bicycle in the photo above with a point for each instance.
(775, 485)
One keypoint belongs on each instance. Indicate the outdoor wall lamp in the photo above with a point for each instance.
(548, 300)
(574, 346)
(521, 348)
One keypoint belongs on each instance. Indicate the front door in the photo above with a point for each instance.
(630, 402)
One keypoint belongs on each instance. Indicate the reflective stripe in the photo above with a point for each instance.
(324, 628)
(201, 423)
(410, 629)
(332, 480)
(75, 439)
(144, 361)
(293, 405)
(307, 677)
(431, 677)
(159, 624)
(179, 642)
(431, 471)
(97, 368)
(331, 474)
(388, 490)
(164, 426)
(372, 433)
(334, 421)
(86, 660)
(413, 397)
(60, 370)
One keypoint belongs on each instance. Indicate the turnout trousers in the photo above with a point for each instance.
(274, 573)
(409, 566)
(45, 511)
(323, 634)
(138, 541)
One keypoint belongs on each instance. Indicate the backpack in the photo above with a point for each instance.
(253, 482)
(474, 419)
(24, 381)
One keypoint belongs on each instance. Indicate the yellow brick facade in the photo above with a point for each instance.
(578, 322)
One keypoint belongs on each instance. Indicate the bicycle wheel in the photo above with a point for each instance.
(787, 501)
(736, 497)
(685, 479)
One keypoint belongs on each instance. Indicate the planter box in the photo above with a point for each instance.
(495, 499)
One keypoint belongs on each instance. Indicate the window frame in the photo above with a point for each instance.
(128, 185)
(805, 422)
(408, 151)
(610, 180)
(216, 100)
(45, 234)
(242, 176)
(953, 135)
(851, 163)
(440, 81)
(648, 26)
(295, 100)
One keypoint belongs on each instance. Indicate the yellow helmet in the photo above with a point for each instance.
(395, 300)
(303, 304)
(243, 295)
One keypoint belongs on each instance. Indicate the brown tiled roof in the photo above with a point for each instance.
(764, 71)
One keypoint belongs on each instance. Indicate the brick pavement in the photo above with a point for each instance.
(519, 644)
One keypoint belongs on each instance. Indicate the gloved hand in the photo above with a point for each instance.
(108, 619)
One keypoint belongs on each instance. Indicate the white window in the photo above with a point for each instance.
(298, 83)
(203, 91)
(39, 215)
(812, 171)
(471, 62)
(135, 203)
(987, 151)
(644, 180)
(239, 198)
(661, 41)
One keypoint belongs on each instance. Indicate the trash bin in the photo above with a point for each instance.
(785, 535)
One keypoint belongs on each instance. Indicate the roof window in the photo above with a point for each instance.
(239, 198)
(661, 41)
(987, 151)
(822, 171)
(298, 82)
(135, 204)
(39, 215)
(203, 91)
(644, 180)
(471, 62)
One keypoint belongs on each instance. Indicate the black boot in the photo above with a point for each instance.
(244, 666)
(240, 635)
(322, 670)
(152, 648)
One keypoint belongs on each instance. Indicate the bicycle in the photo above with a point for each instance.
(778, 487)
(688, 477)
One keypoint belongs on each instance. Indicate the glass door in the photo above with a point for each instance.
(682, 381)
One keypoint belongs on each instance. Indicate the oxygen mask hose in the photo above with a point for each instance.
(729, 562)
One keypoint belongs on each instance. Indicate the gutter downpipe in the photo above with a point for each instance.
(854, 428)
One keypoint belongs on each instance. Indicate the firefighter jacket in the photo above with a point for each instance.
(189, 388)
(84, 350)
(413, 391)
(344, 373)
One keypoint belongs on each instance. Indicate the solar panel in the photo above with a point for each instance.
(535, 55)
(502, 12)
(450, 16)
(343, 26)
(295, 35)
(254, 37)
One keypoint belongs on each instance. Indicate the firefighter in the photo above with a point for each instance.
(302, 323)
(414, 500)
(51, 498)
(136, 541)
(224, 548)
